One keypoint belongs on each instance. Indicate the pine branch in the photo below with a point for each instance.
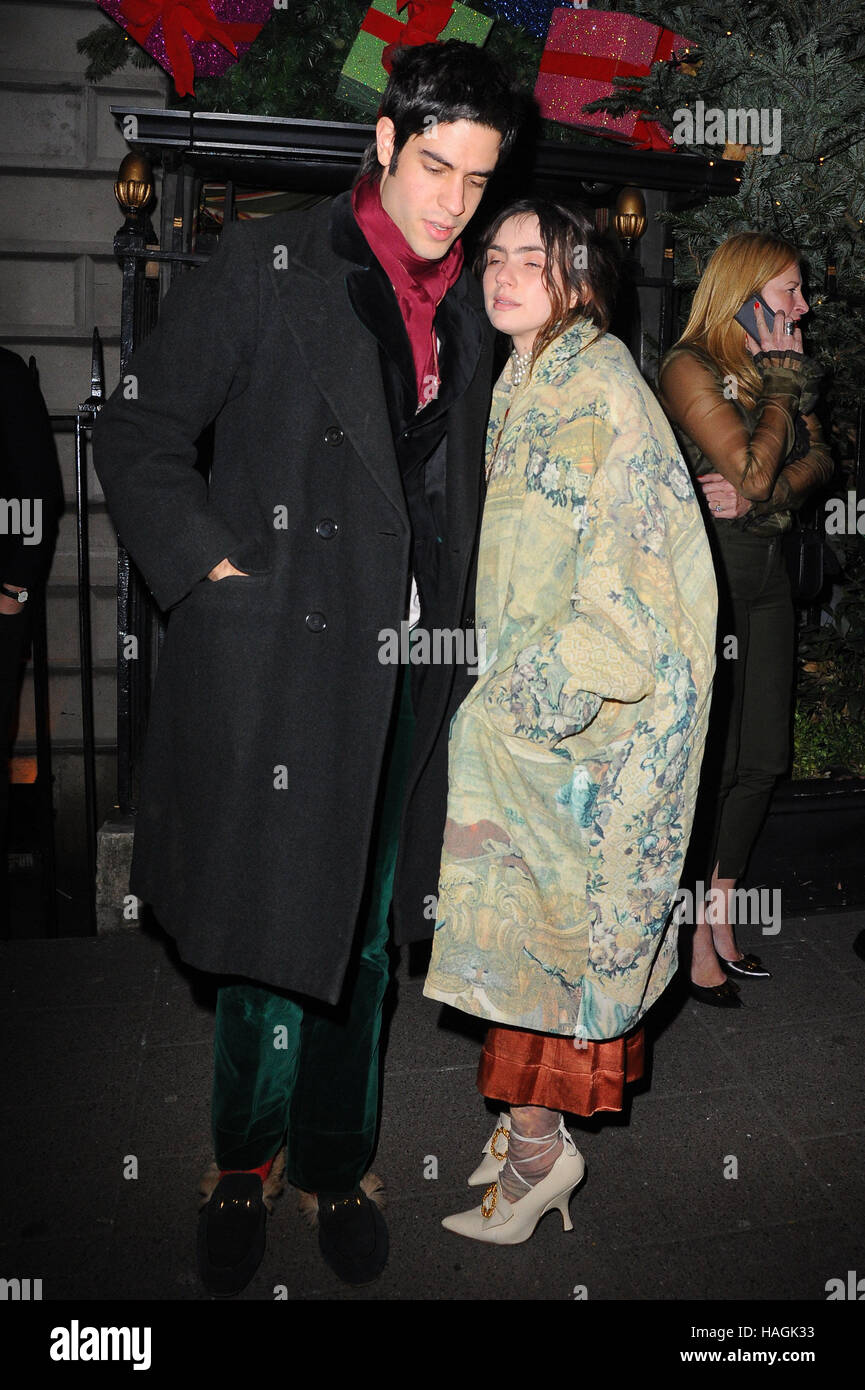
(107, 48)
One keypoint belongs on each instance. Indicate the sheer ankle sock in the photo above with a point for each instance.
(530, 1158)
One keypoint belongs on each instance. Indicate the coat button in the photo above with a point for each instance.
(316, 622)
(326, 528)
(333, 435)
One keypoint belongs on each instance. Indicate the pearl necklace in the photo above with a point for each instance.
(520, 366)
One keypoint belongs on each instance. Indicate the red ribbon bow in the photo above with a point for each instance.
(426, 20)
(180, 18)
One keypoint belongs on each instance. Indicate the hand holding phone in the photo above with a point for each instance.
(766, 328)
(747, 317)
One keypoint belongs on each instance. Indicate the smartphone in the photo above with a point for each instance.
(748, 318)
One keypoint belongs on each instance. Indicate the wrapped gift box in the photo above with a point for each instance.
(188, 38)
(585, 50)
(364, 77)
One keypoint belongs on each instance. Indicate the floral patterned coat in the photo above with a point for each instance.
(574, 761)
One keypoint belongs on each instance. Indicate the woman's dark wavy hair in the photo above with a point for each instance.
(565, 233)
(451, 81)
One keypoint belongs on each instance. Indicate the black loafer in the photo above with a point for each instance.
(749, 966)
(725, 996)
(231, 1234)
(352, 1235)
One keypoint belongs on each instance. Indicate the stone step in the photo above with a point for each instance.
(65, 704)
(62, 623)
(102, 547)
(22, 764)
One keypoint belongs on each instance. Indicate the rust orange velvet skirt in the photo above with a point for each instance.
(542, 1069)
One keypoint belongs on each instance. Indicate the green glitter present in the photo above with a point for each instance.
(363, 79)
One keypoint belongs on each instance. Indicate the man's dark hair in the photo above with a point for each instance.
(586, 261)
(445, 82)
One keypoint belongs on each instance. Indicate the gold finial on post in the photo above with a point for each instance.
(629, 219)
(133, 187)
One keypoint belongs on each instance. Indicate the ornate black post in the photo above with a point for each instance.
(139, 308)
(629, 220)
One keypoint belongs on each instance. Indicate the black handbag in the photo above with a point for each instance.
(804, 553)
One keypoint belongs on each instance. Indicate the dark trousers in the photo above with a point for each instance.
(748, 744)
(15, 633)
(288, 1067)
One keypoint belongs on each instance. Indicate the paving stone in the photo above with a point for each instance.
(49, 1054)
(70, 1269)
(172, 1113)
(83, 972)
(59, 1165)
(108, 1047)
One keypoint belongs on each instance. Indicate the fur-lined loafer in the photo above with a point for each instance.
(352, 1234)
(231, 1226)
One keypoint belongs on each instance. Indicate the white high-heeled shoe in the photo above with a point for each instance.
(495, 1153)
(500, 1222)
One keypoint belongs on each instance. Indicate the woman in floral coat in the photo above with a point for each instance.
(574, 761)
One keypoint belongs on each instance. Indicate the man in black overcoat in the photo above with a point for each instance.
(295, 777)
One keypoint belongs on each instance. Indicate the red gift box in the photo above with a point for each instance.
(585, 50)
(191, 38)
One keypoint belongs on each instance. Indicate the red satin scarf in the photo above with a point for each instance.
(419, 284)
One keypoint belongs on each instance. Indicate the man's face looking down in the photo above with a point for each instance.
(439, 181)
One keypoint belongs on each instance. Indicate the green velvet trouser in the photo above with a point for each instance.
(319, 1089)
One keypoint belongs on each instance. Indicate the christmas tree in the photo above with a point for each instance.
(800, 69)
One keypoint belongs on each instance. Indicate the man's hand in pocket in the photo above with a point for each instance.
(223, 570)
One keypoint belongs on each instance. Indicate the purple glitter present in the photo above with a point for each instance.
(191, 38)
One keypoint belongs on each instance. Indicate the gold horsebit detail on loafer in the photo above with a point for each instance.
(493, 1150)
(345, 1202)
(492, 1196)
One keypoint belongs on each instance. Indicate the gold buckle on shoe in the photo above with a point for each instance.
(492, 1196)
(350, 1201)
(496, 1155)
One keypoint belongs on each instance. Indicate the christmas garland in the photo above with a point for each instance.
(294, 65)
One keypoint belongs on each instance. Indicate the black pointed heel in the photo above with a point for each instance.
(749, 966)
(725, 996)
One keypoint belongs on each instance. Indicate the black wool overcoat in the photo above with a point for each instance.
(271, 706)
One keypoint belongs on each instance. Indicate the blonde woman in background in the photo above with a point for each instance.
(743, 412)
